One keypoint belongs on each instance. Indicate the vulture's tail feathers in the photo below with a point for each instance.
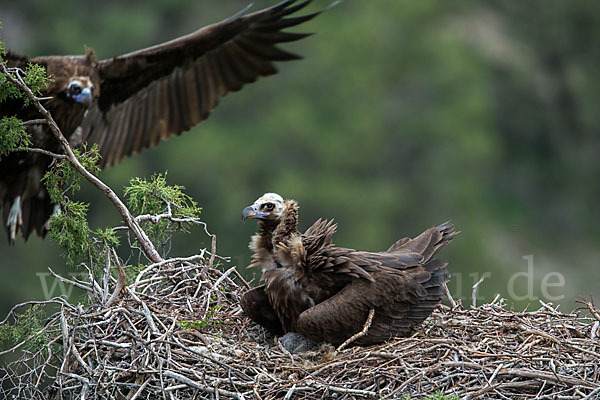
(398, 245)
(427, 243)
(417, 313)
(439, 274)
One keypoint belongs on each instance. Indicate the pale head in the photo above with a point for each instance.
(269, 206)
(80, 89)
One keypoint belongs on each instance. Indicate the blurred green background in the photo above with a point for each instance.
(403, 114)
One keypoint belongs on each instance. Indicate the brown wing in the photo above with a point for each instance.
(151, 94)
(405, 287)
(402, 301)
(322, 257)
(343, 315)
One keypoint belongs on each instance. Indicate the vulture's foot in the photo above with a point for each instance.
(296, 343)
(55, 212)
(15, 218)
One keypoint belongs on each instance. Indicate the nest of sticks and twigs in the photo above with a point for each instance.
(177, 332)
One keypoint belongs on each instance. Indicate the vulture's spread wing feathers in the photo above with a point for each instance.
(151, 94)
(130, 102)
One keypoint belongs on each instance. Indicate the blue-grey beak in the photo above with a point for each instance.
(85, 97)
(252, 212)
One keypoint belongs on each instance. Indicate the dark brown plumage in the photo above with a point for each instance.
(325, 292)
(131, 102)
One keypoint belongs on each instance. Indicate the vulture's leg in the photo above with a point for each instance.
(256, 305)
(15, 218)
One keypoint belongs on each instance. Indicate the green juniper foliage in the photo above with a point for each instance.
(70, 228)
(212, 319)
(71, 231)
(34, 77)
(63, 174)
(152, 197)
(108, 236)
(25, 326)
(12, 135)
(12, 132)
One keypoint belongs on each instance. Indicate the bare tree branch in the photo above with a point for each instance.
(145, 243)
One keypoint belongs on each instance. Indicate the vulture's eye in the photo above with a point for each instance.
(269, 206)
(74, 89)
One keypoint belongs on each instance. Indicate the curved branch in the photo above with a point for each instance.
(145, 243)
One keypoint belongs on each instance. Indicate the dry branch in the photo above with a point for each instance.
(362, 333)
(132, 224)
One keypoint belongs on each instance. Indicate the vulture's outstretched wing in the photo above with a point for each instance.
(151, 94)
(133, 101)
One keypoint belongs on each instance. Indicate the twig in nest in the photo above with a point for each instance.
(290, 392)
(122, 279)
(194, 384)
(362, 333)
(594, 331)
(71, 282)
(590, 306)
(449, 296)
(592, 395)
(474, 295)
(222, 277)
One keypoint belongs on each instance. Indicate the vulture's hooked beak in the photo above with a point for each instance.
(85, 97)
(252, 212)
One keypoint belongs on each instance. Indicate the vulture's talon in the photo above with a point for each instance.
(56, 211)
(15, 218)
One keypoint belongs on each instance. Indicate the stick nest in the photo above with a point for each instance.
(178, 333)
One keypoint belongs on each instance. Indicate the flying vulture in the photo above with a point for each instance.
(130, 102)
(326, 293)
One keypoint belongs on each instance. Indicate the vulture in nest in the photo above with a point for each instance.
(326, 293)
(130, 102)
